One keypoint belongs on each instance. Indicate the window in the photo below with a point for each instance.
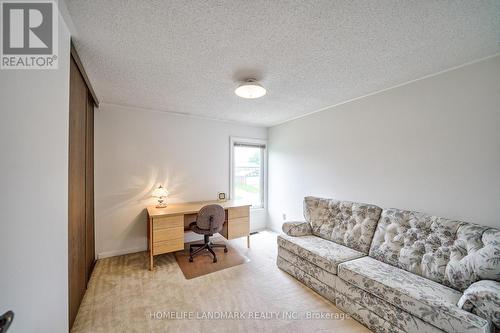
(248, 171)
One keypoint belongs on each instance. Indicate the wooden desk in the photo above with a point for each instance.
(166, 225)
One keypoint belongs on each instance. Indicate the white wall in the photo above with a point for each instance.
(34, 110)
(135, 150)
(432, 145)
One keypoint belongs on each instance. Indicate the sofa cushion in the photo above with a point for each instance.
(396, 316)
(475, 256)
(347, 223)
(308, 267)
(425, 299)
(450, 252)
(321, 252)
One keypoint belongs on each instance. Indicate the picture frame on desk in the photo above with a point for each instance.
(221, 196)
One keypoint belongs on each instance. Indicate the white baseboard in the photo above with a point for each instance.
(258, 229)
(115, 253)
(274, 228)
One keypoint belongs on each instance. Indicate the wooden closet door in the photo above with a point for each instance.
(77, 194)
(89, 188)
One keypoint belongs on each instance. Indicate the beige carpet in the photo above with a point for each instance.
(124, 296)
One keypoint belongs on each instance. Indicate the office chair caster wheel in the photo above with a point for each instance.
(225, 250)
(215, 260)
(190, 259)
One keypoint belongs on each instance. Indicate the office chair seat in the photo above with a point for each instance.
(198, 230)
(209, 221)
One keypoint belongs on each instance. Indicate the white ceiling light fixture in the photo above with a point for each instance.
(250, 89)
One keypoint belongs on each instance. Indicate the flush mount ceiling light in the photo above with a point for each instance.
(250, 89)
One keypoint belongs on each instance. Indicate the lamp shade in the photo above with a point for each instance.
(160, 192)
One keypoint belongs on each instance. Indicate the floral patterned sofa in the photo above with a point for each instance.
(395, 270)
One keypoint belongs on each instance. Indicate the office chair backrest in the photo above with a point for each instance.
(211, 217)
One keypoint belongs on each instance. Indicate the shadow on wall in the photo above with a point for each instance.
(139, 190)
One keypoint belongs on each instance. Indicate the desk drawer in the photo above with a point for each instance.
(239, 227)
(168, 222)
(237, 212)
(168, 246)
(165, 234)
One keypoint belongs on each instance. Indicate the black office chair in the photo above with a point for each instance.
(209, 222)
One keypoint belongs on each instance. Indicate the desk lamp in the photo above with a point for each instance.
(160, 193)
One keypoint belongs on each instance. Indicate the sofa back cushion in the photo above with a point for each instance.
(347, 223)
(453, 253)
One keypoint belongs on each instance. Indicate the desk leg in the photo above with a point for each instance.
(150, 243)
(248, 241)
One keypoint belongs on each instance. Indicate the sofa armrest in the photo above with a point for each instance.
(297, 228)
(483, 299)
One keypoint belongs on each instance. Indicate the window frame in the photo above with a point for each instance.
(250, 141)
